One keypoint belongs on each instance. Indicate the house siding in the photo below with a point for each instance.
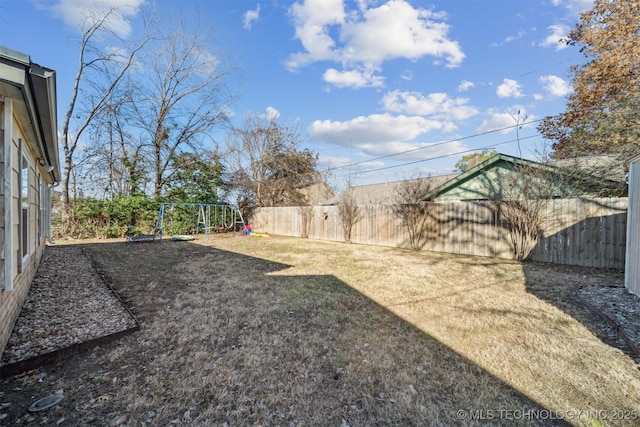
(17, 272)
(28, 128)
(506, 177)
(11, 301)
(485, 185)
(2, 200)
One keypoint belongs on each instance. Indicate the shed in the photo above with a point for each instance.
(503, 176)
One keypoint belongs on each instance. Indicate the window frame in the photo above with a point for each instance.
(24, 203)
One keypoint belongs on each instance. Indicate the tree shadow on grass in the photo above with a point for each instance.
(305, 348)
(225, 340)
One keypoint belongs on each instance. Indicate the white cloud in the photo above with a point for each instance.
(330, 162)
(270, 113)
(407, 75)
(517, 36)
(408, 151)
(560, 30)
(313, 20)
(402, 151)
(509, 89)
(555, 39)
(355, 79)
(250, 16)
(574, 7)
(506, 119)
(495, 121)
(555, 86)
(381, 135)
(397, 30)
(80, 13)
(435, 105)
(364, 39)
(374, 129)
(465, 85)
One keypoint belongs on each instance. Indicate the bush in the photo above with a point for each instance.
(110, 218)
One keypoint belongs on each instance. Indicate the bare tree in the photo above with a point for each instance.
(115, 160)
(268, 167)
(98, 74)
(183, 99)
(411, 208)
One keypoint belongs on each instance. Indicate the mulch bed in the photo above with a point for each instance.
(70, 308)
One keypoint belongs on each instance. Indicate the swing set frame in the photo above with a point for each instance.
(203, 223)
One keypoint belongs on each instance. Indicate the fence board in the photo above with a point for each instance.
(583, 232)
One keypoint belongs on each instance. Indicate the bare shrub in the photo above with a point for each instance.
(306, 214)
(521, 201)
(349, 212)
(414, 212)
(524, 219)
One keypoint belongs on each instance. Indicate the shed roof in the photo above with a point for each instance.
(384, 193)
(477, 170)
(580, 171)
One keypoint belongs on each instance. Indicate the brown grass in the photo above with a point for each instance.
(284, 331)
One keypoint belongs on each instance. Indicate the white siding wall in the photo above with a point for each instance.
(632, 268)
(17, 272)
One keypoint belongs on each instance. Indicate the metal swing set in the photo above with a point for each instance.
(210, 218)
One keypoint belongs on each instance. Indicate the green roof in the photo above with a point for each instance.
(487, 181)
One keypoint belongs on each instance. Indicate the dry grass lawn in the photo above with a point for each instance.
(285, 331)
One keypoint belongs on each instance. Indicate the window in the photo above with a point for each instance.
(39, 196)
(24, 207)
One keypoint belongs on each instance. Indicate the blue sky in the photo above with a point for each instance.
(381, 90)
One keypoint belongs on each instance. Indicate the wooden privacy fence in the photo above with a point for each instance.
(584, 232)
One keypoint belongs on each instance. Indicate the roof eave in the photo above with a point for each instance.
(36, 85)
(43, 83)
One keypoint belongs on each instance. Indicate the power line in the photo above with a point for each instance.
(435, 145)
(446, 155)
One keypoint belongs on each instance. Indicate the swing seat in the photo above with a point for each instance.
(182, 237)
(141, 238)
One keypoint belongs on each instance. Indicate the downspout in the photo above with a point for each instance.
(38, 122)
(49, 203)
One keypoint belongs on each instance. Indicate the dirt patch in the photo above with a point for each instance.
(284, 331)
